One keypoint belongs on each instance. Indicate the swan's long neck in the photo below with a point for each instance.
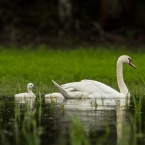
(122, 87)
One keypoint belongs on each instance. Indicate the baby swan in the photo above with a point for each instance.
(30, 86)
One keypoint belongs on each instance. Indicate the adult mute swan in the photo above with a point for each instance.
(95, 89)
(30, 86)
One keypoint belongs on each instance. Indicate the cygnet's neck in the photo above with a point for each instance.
(30, 90)
(122, 87)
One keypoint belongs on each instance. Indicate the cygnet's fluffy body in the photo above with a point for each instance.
(30, 94)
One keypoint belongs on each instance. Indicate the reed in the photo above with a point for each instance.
(137, 104)
(40, 99)
(78, 134)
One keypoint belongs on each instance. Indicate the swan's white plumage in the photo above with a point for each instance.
(30, 94)
(87, 89)
(54, 95)
(95, 89)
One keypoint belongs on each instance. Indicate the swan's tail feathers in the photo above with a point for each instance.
(61, 90)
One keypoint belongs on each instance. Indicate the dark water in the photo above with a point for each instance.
(71, 122)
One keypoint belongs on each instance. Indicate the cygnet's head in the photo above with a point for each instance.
(30, 86)
(126, 59)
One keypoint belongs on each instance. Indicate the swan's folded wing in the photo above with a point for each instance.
(93, 89)
(101, 87)
(83, 86)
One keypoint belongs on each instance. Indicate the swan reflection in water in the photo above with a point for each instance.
(90, 104)
(94, 112)
(26, 101)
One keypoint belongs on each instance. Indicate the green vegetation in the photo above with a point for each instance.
(42, 64)
(24, 127)
(40, 99)
(78, 134)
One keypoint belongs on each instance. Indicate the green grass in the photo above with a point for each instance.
(42, 64)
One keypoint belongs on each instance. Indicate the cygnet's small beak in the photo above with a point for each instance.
(34, 87)
(131, 63)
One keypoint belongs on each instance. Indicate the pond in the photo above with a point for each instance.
(71, 122)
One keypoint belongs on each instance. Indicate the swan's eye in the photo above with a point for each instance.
(129, 59)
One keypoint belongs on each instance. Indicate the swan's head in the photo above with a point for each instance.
(30, 86)
(126, 59)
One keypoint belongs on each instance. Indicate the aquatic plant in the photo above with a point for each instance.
(78, 134)
(40, 99)
(117, 103)
(137, 104)
(3, 139)
(29, 129)
(94, 103)
(2, 104)
(52, 104)
(62, 108)
(102, 99)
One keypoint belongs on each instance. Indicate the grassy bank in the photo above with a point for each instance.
(42, 64)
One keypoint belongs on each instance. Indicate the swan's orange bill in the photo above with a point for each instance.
(131, 63)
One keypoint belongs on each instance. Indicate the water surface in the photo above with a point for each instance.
(72, 121)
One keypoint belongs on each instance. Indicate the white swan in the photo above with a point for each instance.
(30, 94)
(95, 89)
